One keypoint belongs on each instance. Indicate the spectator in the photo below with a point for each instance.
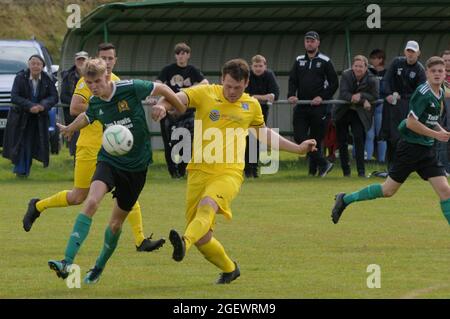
(403, 76)
(360, 88)
(26, 133)
(178, 75)
(442, 147)
(376, 60)
(312, 77)
(70, 79)
(262, 86)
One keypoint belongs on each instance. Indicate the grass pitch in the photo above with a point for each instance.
(281, 235)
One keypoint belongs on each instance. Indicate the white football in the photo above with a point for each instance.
(117, 140)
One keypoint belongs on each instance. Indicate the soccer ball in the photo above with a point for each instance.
(117, 140)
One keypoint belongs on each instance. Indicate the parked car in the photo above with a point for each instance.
(14, 55)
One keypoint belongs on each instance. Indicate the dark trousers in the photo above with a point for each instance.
(392, 116)
(310, 122)
(73, 141)
(252, 163)
(23, 167)
(168, 125)
(351, 120)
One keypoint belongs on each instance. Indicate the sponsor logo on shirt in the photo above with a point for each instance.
(214, 115)
(123, 106)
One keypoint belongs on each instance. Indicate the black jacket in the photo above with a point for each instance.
(309, 78)
(368, 87)
(263, 84)
(403, 78)
(70, 79)
(19, 117)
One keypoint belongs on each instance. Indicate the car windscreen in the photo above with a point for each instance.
(13, 59)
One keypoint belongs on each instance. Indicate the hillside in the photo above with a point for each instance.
(43, 19)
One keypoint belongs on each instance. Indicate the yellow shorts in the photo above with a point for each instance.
(222, 187)
(85, 164)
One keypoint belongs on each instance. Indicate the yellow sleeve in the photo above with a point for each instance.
(258, 120)
(195, 95)
(114, 77)
(82, 90)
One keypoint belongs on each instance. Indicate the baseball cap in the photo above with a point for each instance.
(412, 45)
(312, 35)
(81, 54)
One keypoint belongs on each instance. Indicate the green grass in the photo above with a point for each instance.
(281, 235)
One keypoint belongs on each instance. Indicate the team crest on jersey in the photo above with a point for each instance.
(214, 115)
(245, 106)
(123, 106)
(412, 75)
(318, 64)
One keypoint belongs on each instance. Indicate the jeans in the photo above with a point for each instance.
(373, 133)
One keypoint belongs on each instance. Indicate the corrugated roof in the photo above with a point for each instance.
(214, 16)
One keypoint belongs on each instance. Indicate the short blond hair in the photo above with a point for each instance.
(259, 59)
(361, 58)
(94, 67)
(434, 60)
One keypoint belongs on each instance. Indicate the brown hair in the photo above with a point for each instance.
(181, 47)
(378, 53)
(434, 60)
(259, 59)
(93, 67)
(361, 58)
(238, 69)
(106, 46)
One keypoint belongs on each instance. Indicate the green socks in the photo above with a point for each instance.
(109, 246)
(445, 206)
(370, 192)
(78, 235)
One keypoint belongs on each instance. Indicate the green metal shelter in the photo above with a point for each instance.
(146, 32)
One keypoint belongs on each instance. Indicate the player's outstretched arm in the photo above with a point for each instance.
(79, 122)
(276, 141)
(439, 133)
(169, 99)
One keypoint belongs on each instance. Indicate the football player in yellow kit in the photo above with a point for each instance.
(212, 185)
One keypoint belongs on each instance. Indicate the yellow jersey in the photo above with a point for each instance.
(221, 128)
(91, 135)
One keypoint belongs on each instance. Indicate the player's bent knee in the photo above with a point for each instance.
(205, 239)
(209, 201)
(77, 196)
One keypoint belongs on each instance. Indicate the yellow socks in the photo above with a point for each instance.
(57, 200)
(215, 254)
(135, 220)
(198, 227)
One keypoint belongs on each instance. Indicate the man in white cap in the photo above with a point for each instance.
(402, 78)
(69, 80)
